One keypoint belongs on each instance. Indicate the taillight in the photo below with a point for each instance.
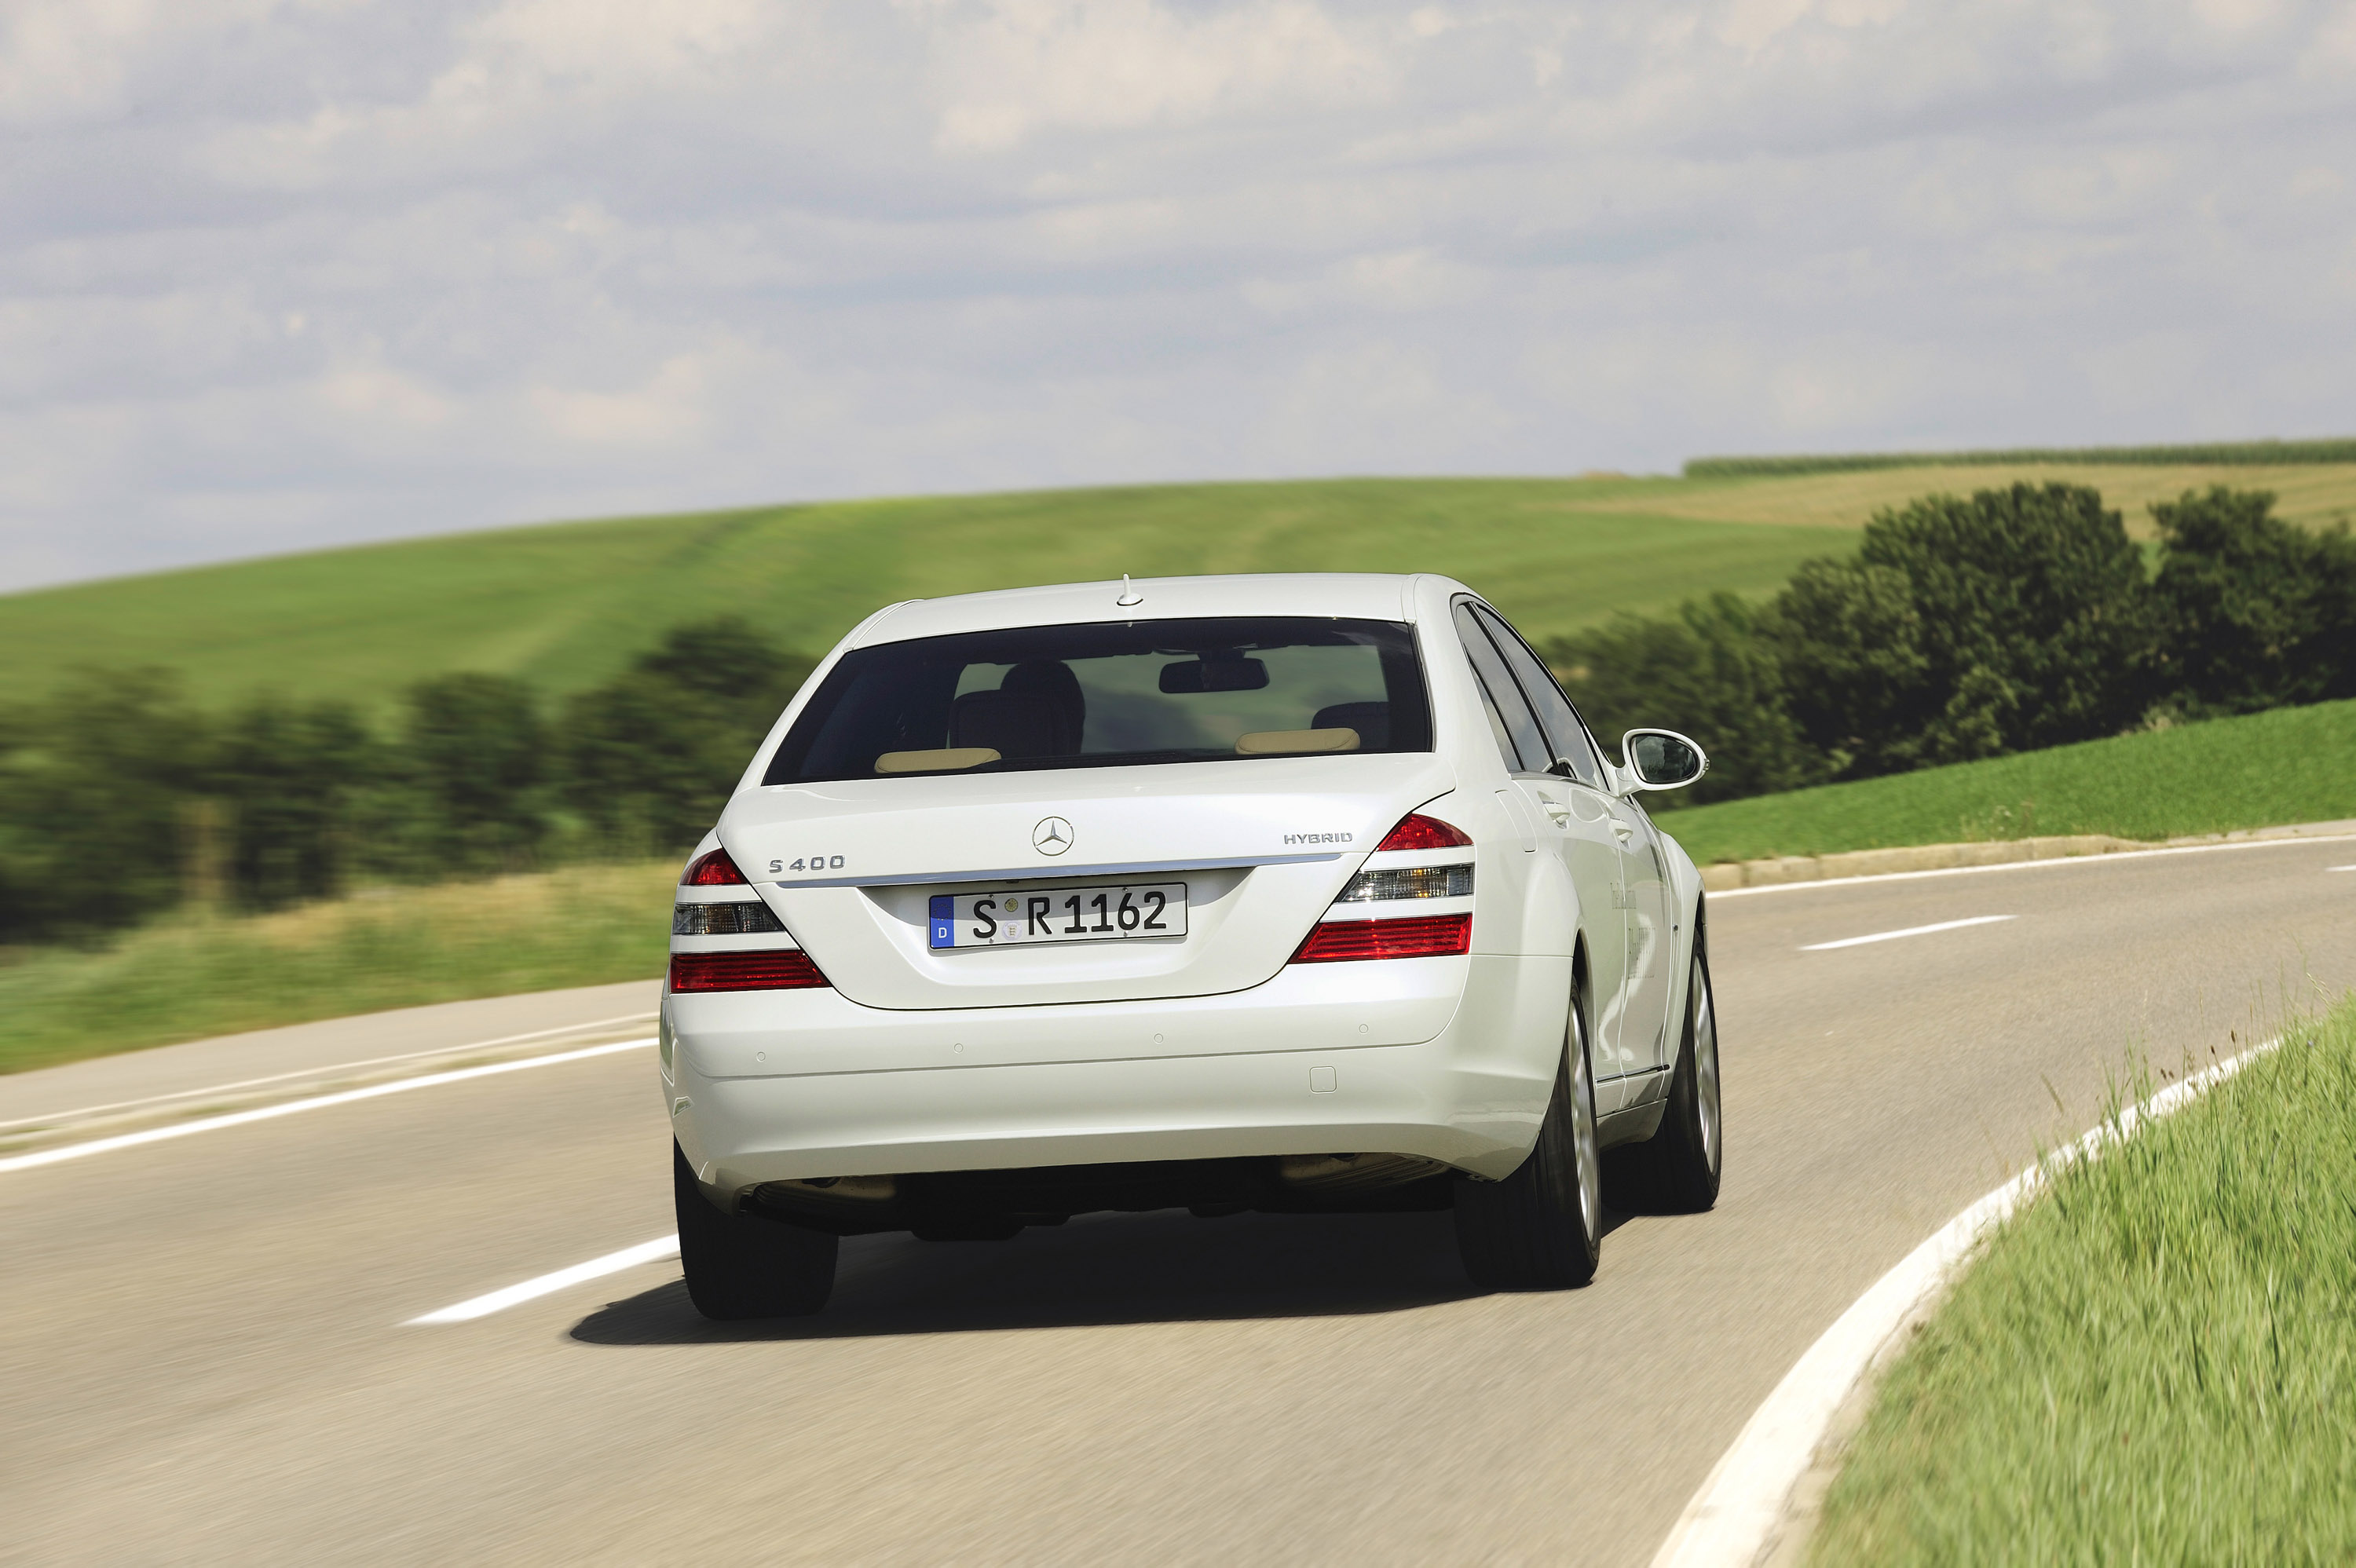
(713, 869)
(790, 970)
(1400, 882)
(1416, 936)
(1416, 831)
(723, 920)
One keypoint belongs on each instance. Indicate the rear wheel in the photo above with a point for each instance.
(1542, 1227)
(1677, 1170)
(746, 1265)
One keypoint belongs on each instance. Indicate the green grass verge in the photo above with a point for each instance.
(2264, 769)
(192, 978)
(2154, 1363)
(2337, 449)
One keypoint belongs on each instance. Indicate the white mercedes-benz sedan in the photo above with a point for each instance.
(1293, 893)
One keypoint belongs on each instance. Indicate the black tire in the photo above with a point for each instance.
(1542, 1227)
(748, 1265)
(1675, 1171)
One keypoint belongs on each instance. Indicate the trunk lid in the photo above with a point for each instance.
(1263, 847)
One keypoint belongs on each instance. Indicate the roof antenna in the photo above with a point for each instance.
(1128, 595)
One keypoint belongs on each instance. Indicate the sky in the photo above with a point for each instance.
(279, 274)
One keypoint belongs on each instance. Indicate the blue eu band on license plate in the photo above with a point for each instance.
(1033, 915)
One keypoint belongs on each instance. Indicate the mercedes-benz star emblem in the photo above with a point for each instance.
(1052, 837)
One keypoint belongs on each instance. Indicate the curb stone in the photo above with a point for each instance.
(1727, 875)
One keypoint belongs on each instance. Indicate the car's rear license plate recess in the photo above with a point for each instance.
(1144, 910)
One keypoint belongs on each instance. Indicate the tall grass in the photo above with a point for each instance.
(189, 978)
(2154, 1363)
(2291, 764)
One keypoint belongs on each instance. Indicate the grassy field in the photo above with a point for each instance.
(565, 604)
(190, 978)
(2289, 765)
(2154, 1363)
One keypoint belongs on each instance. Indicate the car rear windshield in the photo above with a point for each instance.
(1112, 694)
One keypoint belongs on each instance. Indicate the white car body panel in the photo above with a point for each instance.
(998, 1088)
(1216, 827)
(1213, 1046)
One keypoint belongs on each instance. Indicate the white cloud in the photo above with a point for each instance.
(2333, 52)
(64, 59)
(367, 389)
(277, 272)
(1030, 65)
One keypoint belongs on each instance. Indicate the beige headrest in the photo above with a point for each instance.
(943, 759)
(1280, 742)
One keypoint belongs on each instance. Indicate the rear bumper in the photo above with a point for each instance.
(1446, 1059)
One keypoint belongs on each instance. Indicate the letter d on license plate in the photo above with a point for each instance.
(1058, 914)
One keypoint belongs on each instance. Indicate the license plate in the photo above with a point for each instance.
(1059, 914)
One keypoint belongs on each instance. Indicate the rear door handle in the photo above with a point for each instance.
(1624, 831)
(1560, 813)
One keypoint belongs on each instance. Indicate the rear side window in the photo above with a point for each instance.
(1519, 738)
(1112, 694)
(1555, 716)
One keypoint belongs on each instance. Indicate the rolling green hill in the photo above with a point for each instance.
(564, 604)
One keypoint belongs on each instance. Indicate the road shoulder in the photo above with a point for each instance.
(237, 1071)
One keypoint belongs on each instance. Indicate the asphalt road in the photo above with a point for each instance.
(203, 1356)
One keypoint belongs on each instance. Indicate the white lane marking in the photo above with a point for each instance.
(316, 1103)
(321, 1072)
(549, 1284)
(2340, 868)
(2032, 864)
(1910, 931)
(1728, 1522)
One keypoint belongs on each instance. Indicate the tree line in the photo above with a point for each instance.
(2207, 454)
(119, 797)
(1963, 628)
(1960, 629)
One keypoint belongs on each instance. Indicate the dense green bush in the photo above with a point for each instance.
(1705, 671)
(2017, 619)
(651, 756)
(2012, 620)
(96, 787)
(477, 754)
(291, 774)
(2254, 612)
(119, 800)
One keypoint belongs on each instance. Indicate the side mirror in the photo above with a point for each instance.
(1662, 759)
